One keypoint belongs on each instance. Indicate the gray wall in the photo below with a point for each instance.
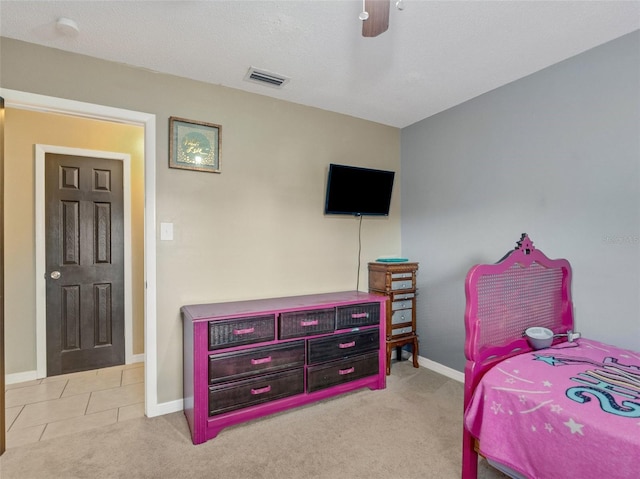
(556, 155)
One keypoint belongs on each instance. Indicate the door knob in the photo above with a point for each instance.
(55, 275)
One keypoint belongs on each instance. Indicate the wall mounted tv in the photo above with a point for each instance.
(358, 191)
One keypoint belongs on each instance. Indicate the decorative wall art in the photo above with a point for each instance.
(194, 145)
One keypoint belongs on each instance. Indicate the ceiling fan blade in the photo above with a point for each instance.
(378, 21)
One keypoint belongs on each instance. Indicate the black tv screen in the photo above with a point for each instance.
(358, 191)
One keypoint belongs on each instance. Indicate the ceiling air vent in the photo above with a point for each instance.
(265, 78)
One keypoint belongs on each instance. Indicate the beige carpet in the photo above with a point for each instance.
(410, 430)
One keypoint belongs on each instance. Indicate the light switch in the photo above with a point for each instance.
(166, 231)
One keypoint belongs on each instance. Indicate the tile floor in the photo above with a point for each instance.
(45, 408)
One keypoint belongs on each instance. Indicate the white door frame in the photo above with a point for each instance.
(35, 102)
(40, 227)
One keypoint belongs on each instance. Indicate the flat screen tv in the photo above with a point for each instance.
(358, 191)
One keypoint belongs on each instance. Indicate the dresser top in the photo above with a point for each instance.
(197, 312)
(402, 266)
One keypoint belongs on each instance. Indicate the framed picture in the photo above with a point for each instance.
(194, 145)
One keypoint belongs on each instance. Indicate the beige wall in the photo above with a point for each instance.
(255, 230)
(24, 129)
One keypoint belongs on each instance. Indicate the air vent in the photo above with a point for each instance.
(266, 78)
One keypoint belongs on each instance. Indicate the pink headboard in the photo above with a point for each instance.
(523, 289)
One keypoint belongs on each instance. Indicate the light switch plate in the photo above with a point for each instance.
(166, 231)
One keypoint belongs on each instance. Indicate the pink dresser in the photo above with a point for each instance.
(247, 359)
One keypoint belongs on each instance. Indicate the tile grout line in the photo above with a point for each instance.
(42, 433)
(15, 418)
(63, 389)
(86, 408)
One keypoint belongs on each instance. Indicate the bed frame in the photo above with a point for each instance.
(523, 289)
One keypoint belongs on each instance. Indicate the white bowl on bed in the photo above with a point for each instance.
(538, 337)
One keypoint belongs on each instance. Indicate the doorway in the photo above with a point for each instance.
(84, 261)
(43, 273)
(29, 101)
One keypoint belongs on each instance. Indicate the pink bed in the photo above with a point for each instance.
(570, 410)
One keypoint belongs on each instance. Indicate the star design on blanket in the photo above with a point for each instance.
(574, 426)
(550, 360)
(547, 384)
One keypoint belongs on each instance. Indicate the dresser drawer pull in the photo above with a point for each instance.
(261, 360)
(346, 371)
(263, 390)
(347, 345)
(360, 315)
(238, 332)
(312, 322)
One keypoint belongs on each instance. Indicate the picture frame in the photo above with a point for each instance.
(194, 145)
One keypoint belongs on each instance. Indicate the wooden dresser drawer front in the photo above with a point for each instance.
(402, 275)
(402, 304)
(401, 331)
(298, 324)
(249, 392)
(357, 315)
(399, 296)
(399, 285)
(342, 345)
(402, 316)
(236, 332)
(338, 372)
(237, 365)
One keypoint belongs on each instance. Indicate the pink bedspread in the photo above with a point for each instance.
(563, 412)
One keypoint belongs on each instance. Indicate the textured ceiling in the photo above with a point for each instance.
(436, 54)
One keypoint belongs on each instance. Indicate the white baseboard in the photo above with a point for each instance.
(137, 358)
(20, 377)
(441, 369)
(434, 366)
(168, 407)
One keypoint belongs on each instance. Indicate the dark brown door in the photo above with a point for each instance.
(84, 263)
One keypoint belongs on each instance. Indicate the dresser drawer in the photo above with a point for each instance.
(357, 315)
(402, 316)
(401, 284)
(338, 372)
(235, 332)
(237, 365)
(401, 331)
(298, 324)
(342, 345)
(408, 275)
(400, 296)
(402, 304)
(249, 392)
